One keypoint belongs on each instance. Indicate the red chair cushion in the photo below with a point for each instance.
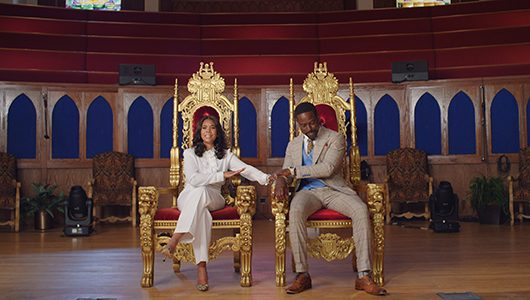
(327, 214)
(226, 213)
(328, 117)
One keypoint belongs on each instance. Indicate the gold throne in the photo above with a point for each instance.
(157, 223)
(321, 88)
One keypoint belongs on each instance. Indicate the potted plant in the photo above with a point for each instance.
(489, 199)
(43, 204)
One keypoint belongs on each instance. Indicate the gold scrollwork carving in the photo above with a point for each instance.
(320, 83)
(183, 252)
(225, 243)
(330, 246)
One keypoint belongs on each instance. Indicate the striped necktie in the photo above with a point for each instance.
(310, 146)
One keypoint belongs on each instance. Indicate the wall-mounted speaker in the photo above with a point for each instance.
(410, 71)
(137, 74)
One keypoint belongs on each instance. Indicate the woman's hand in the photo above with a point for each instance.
(229, 174)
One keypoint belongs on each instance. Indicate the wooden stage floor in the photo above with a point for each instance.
(488, 260)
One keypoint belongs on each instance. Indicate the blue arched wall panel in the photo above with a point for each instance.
(65, 129)
(427, 125)
(504, 123)
(461, 125)
(166, 128)
(362, 126)
(140, 129)
(279, 127)
(248, 133)
(22, 128)
(386, 126)
(99, 131)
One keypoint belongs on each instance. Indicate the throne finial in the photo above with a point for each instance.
(321, 70)
(206, 70)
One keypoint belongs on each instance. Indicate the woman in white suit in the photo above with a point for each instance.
(206, 166)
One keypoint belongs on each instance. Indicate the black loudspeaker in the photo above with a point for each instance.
(443, 205)
(410, 71)
(137, 74)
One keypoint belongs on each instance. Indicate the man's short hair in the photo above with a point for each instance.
(305, 107)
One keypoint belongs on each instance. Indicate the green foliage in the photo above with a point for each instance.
(44, 198)
(487, 191)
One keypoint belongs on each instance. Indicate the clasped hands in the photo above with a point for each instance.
(281, 187)
(281, 179)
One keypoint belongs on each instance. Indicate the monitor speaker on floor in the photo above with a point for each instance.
(137, 74)
(410, 71)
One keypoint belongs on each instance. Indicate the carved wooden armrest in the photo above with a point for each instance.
(279, 206)
(246, 200)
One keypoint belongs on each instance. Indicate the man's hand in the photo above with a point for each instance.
(281, 190)
(229, 174)
(284, 172)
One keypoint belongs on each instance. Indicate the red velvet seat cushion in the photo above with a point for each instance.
(226, 213)
(327, 214)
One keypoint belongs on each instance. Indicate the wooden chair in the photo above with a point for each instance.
(321, 88)
(407, 182)
(519, 188)
(113, 184)
(10, 190)
(157, 223)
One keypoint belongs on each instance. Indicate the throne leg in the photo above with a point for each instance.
(376, 205)
(148, 203)
(280, 242)
(245, 251)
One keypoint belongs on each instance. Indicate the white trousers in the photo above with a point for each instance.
(195, 221)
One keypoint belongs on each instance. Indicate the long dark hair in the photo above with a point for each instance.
(220, 140)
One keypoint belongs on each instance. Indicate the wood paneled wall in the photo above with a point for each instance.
(457, 169)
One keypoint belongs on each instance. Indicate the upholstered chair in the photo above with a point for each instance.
(407, 183)
(113, 185)
(9, 190)
(157, 222)
(519, 189)
(321, 88)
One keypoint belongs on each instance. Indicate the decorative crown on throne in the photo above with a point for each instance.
(206, 82)
(321, 83)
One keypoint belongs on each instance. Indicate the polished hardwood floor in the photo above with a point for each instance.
(488, 260)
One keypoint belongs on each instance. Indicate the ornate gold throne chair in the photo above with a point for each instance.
(321, 88)
(407, 182)
(519, 188)
(158, 223)
(113, 184)
(9, 189)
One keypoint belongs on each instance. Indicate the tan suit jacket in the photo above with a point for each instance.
(328, 156)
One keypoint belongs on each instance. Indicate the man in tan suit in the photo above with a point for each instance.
(315, 158)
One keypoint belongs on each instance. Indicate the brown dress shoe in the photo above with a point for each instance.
(366, 284)
(301, 283)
